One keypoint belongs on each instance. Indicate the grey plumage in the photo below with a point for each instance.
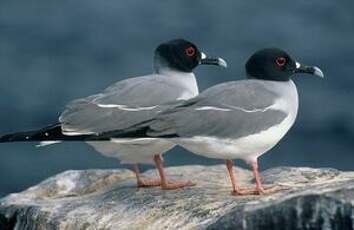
(230, 110)
(121, 105)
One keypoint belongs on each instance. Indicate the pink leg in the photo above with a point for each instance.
(246, 191)
(164, 182)
(235, 189)
(259, 187)
(229, 165)
(142, 182)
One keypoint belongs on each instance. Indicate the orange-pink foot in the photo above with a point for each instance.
(177, 185)
(143, 183)
(257, 191)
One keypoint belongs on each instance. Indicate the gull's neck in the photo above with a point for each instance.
(168, 72)
(287, 92)
(185, 80)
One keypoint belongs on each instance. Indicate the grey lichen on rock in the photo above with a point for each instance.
(109, 199)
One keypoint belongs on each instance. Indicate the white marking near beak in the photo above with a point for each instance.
(203, 55)
(297, 65)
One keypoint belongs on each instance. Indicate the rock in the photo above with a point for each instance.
(108, 199)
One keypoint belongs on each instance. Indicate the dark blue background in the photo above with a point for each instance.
(54, 51)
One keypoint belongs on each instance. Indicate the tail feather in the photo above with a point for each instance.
(140, 130)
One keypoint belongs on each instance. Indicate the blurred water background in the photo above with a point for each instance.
(54, 51)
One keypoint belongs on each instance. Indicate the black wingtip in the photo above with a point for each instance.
(21, 136)
(5, 138)
(36, 135)
(49, 133)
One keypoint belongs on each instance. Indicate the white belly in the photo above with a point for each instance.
(132, 151)
(247, 148)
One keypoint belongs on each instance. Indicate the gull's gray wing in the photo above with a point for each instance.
(121, 105)
(233, 109)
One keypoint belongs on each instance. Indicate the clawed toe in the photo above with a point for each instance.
(271, 190)
(257, 191)
(177, 185)
(245, 192)
(143, 183)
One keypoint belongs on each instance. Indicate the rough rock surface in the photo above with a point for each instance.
(108, 199)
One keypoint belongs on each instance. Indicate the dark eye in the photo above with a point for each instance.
(190, 51)
(281, 61)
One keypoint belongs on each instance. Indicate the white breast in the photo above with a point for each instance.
(189, 83)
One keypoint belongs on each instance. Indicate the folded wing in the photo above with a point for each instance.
(120, 106)
(232, 110)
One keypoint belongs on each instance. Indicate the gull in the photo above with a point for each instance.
(129, 102)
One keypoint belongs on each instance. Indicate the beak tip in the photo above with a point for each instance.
(222, 62)
(205, 60)
(318, 72)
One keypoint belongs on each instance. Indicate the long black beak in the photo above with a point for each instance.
(205, 60)
(314, 70)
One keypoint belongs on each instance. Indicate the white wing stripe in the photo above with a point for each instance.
(231, 108)
(212, 108)
(71, 133)
(252, 110)
(124, 107)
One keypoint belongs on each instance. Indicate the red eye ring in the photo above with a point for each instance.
(281, 61)
(190, 51)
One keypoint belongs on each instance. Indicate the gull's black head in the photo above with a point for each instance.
(182, 55)
(276, 65)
